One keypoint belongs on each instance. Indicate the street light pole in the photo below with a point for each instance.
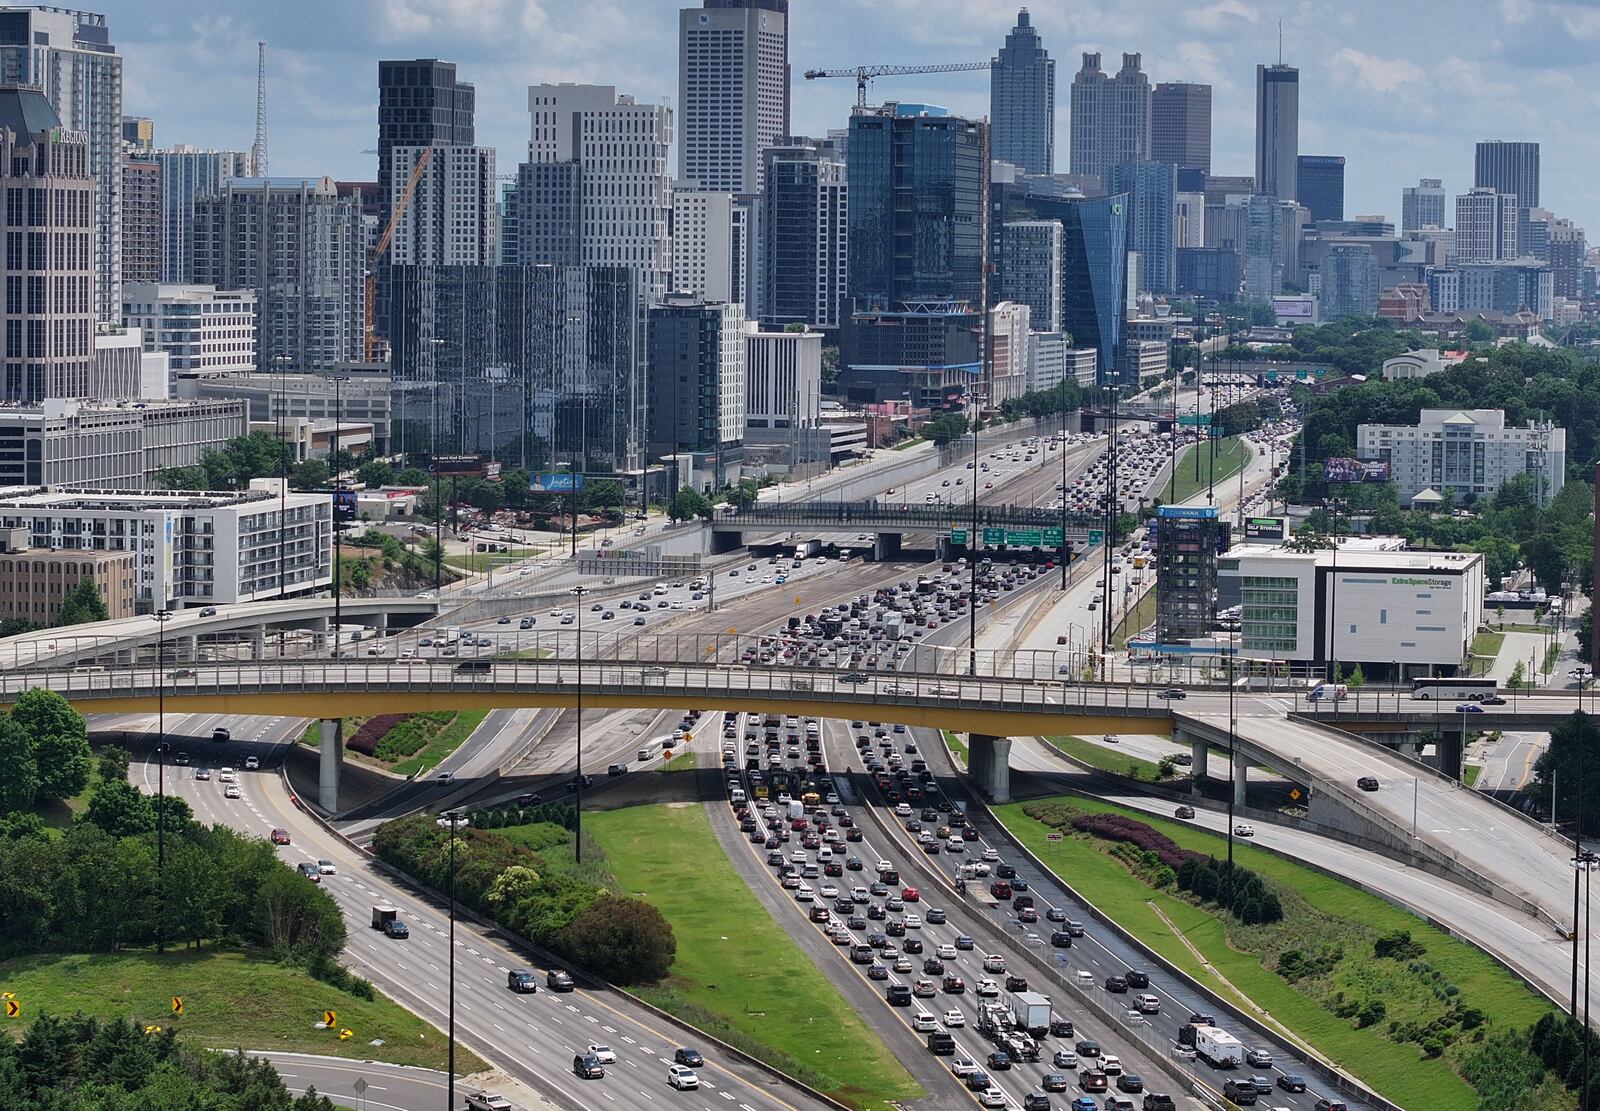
(162, 617)
(1066, 549)
(452, 816)
(283, 476)
(972, 552)
(577, 783)
(338, 381)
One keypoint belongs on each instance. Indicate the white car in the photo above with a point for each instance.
(986, 988)
(326, 867)
(1111, 1064)
(963, 1067)
(487, 1101)
(683, 1078)
(991, 856)
(913, 922)
(924, 1023)
(992, 1097)
(252, 763)
(954, 1020)
(1244, 829)
(994, 962)
(946, 952)
(828, 891)
(604, 1054)
(231, 791)
(225, 775)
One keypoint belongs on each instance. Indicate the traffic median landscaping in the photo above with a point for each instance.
(1423, 1019)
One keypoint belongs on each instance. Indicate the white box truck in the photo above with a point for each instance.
(1218, 1048)
(1030, 1010)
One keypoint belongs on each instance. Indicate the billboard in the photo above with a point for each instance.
(1341, 469)
(1187, 512)
(1264, 528)
(344, 505)
(455, 465)
(557, 482)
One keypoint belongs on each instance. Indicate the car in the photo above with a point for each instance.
(1243, 829)
(487, 1101)
(953, 1020)
(202, 773)
(991, 1097)
(691, 1058)
(1083, 1103)
(986, 988)
(1088, 1047)
(603, 1053)
(1053, 1082)
(309, 871)
(585, 1067)
(1111, 1064)
(280, 837)
(963, 942)
(231, 791)
(1241, 1092)
(559, 981)
(327, 868)
(226, 775)
(251, 763)
(946, 951)
(1291, 1082)
(999, 1061)
(963, 1067)
(852, 677)
(976, 1081)
(1159, 1101)
(1130, 1082)
(683, 1079)
(1263, 1085)
(1093, 1080)
(1258, 1058)
(1367, 783)
(1117, 984)
(521, 981)
(1469, 708)
(1064, 1059)
(954, 985)
(1185, 812)
(1172, 693)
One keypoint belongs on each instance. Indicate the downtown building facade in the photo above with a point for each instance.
(1151, 189)
(1180, 125)
(186, 175)
(697, 356)
(733, 91)
(141, 218)
(1110, 116)
(69, 57)
(299, 247)
(805, 236)
(1422, 205)
(1486, 225)
(1022, 101)
(199, 328)
(1278, 131)
(71, 444)
(1458, 453)
(1319, 184)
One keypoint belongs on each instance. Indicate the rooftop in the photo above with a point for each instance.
(1356, 559)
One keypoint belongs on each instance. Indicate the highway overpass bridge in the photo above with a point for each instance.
(1018, 526)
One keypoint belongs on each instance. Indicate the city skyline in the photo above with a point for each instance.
(322, 67)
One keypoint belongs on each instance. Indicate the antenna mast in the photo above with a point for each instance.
(258, 149)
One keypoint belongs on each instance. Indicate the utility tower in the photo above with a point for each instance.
(258, 149)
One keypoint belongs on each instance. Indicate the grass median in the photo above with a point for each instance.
(1333, 927)
(1194, 472)
(1099, 755)
(737, 974)
(230, 1000)
(956, 745)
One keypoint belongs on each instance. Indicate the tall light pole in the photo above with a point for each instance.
(452, 817)
(1066, 549)
(338, 381)
(972, 548)
(1333, 604)
(577, 783)
(162, 617)
(280, 361)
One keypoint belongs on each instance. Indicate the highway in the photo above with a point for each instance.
(388, 1087)
(531, 1037)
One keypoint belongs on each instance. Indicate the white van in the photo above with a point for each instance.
(1328, 692)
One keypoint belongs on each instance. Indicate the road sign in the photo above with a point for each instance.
(1052, 837)
(346, 1035)
(1194, 420)
(330, 1018)
(177, 1004)
(994, 537)
(1096, 536)
(958, 536)
(360, 1086)
(1295, 794)
(13, 1008)
(1024, 538)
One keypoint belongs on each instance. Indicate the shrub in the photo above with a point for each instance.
(1372, 1012)
(1397, 945)
(365, 739)
(623, 939)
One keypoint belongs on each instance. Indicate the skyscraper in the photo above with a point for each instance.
(69, 56)
(1031, 274)
(1349, 282)
(1110, 116)
(602, 161)
(1094, 277)
(1180, 125)
(49, 333)
(1277, 130)
(141, 217)
(1151, 188)
(1508, 167)
(805, 236)
(1422, 205)
(916, 254)
(187, 173)
(713, 237)
(420, 104)
(1486, 225)
(1320, 185)
(697, 379)
(1022, 101)
(452, 219)
(733, 90)
(299, 245)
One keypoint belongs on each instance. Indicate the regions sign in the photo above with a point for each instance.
(560, 482)
(1341, 469)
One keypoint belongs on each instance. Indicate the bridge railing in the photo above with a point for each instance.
(927, 516)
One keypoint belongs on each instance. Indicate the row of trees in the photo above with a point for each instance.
(257, 455)
(44, 751)
(620, 939)
(83, 1064)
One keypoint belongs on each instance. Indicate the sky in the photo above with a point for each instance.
(1402, 89)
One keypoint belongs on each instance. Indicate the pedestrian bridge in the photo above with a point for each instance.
(889, 519)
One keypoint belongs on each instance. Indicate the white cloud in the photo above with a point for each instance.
(1382, 75)
(1219, 16)
(1516, 11)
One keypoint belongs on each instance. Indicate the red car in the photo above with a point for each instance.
(911, 895)
(280, 837)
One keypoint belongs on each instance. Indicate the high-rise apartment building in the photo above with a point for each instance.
(420, 104)
(916, 254)
(1320, 185)
(1110, 116)
(697, 380)
(50, 220)
(713, 237)
(1180, 125)
(783, 378)
(1151, 188)
(1022, 101)
(1349, 282)
(1461, 452)
(1422, 205)
(139, 132)
(186, 174)
(805, 236)
(141, 217)
(453, 217)
(601, 163)
(733, 91)
(200, 328)
(1277, 130)
(1486, 225)
(69, 56)
(298, 245)
(1508, 167)
(1031, 272)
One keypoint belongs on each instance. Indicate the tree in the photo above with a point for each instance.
(946, 428)
(603, 494)
(687, 504)
(1573, 743)
(313, 474)
(1357, 677)
(83, 604)
(119, 808)
(295, 918)
(1479, 331)
(60, 740)
(624, 940)
(19, 773)
(1548, 561)
(376, 473)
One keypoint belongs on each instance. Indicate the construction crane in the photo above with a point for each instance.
(382, 247)
(865, 74)
(258, 149)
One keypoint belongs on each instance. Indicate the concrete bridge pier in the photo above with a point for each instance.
(1449, 747)
(258, 643)
(185, 647)
(989, 764)
(1199, 758)
(886, 546)
(1241, 779)
(724, 541)
(332, 760)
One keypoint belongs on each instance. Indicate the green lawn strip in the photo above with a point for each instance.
(479, 562)
(957, 745)
(683, 762)
(1141, 615)
(442, 745)
(1231, 456)
(903, 444)
(1102, 756)
(738, 974)
(230, 999)
(1487, 645)
(1398, 1071)
(1470, 774)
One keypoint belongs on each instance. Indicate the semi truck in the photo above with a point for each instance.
(1218, 1048)
(805, 548)
(1030, 1010)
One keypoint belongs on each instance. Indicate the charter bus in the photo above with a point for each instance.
(1454, 690)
